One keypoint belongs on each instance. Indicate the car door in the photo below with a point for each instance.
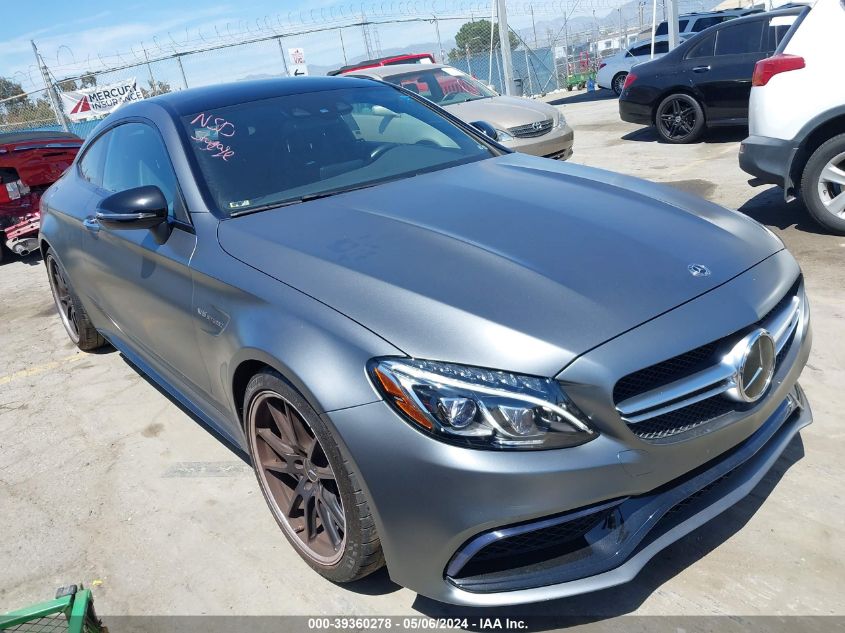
(138, 279)
(722, 74)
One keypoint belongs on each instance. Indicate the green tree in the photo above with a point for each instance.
(155, 87)
(475, 36)
(8, 89)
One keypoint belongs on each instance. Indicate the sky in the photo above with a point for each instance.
(74, 36)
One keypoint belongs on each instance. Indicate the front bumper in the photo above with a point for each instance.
(556, 144)
(435, 503)
(768, 159)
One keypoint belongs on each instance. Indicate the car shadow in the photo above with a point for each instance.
(585, 97)
(624, 599)
(225, 441)
(713, 135)
(33, 259)
(769, 207)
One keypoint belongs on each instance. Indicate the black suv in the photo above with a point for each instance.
(706, 80)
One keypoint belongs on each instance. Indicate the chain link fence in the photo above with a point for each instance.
(545, 65)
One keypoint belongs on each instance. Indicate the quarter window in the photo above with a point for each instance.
(739, 39)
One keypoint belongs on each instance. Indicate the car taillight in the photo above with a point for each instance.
(767, 68)
(631, 78)
(602, 65)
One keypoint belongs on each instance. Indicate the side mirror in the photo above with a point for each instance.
(486, 128)
(139, 208)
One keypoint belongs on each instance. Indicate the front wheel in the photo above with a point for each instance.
(679, 119)
(312, 492)
(823, 185)
(618, 83)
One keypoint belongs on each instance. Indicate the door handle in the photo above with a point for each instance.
(701, 69)
(91, 224)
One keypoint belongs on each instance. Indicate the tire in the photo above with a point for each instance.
(823, 185)
(679, 119)
(73, 315)
(301, 469)
(617, 82)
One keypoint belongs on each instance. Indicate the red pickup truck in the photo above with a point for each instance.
(29, 163)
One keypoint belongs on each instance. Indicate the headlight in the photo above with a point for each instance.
(503, 136)
(481, 408)
(561, 120)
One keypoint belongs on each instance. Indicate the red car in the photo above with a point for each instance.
(29, 163)
(405, 58)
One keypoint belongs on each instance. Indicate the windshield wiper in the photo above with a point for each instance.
(299, 199)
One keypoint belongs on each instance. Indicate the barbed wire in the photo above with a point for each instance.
(303, 22)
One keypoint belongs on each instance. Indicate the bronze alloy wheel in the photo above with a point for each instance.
(63, 298)
(297, 479)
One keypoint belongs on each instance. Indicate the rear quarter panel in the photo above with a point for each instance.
(782, 107)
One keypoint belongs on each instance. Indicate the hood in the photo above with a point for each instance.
(514, 262)
(503, 112)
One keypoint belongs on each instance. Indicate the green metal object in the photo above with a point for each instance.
(71, 611)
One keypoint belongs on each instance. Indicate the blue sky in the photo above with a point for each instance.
(75, 35)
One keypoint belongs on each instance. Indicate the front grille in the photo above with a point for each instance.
(531, 130)
(703, 402)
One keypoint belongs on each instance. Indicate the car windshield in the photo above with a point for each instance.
(443, 86)
(293, 148)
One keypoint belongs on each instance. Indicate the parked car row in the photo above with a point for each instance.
(774, 72)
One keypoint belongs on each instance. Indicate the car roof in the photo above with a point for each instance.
(379, 72)
(683, 46)
(220, 95)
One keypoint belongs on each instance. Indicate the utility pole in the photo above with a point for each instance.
(673, 24)
(505, 43)
(534, 26)
(55, 102)
(182, 70)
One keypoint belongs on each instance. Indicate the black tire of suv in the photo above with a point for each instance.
(362, 553)
(697, 111)
(810, 184)
(86, 337)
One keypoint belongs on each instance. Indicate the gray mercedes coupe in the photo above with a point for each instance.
(507, 378)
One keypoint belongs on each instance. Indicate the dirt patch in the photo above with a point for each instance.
(697, 186)
(153, 430)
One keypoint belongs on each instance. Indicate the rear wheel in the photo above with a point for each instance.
(313, 494)
(618, 83)
(679, 119)
(77, 324)
(823, 185)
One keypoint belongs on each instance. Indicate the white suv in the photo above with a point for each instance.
(797, 115)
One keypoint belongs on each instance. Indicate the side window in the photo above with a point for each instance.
(682, 25)
(704, 47)
(662, 29)
(91, 163)
(645, 49)
(137, 157)
(739, 39)
(705, 23)
(659, 48)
